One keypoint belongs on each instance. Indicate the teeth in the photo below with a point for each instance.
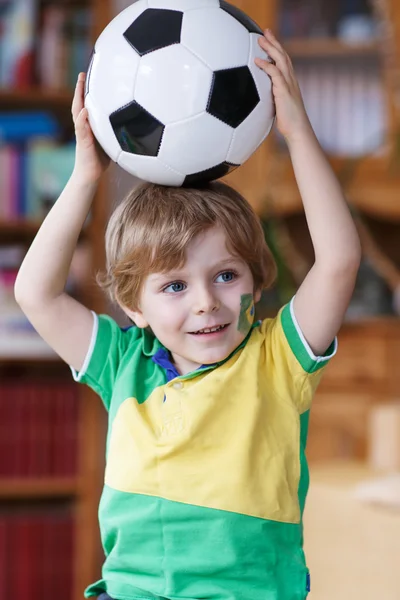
(212, 330)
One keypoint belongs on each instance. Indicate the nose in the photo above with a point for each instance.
(205, 301)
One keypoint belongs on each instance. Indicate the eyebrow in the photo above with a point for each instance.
(155, 277)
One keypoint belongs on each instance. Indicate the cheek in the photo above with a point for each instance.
(168, 314)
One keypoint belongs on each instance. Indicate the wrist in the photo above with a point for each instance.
(303, 133)
(82, 179)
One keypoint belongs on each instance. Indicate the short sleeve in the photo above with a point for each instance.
(292, 366)
(108, 345)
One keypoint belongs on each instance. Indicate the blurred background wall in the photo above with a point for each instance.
(347, 59)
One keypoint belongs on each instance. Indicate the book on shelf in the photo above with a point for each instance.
(17, 40)
(36, 552)
(345, 104)
(34, 166)
(44, 44)
(350, 19)
(65, 45)
(18, 338)
(19, 126)
(39, 428)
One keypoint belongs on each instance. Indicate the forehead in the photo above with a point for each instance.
(206, 251)
(212, 241)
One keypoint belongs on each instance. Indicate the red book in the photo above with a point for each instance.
(21, 563)
(13, 432)
(38, 426)
(28, 438)
(20, 428)
(36, 526)
(56, 432)
(4, 562)
(4, 426)
(50, 558)
(71, 430)
(6, 432)
(66, 556)
(46, 410)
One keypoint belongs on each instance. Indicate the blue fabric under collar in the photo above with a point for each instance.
(162, 358)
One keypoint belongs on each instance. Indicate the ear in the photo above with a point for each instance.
(257, 296)
(136, 316)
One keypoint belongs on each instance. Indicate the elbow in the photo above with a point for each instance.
(24, 296)
(21, 295)
(18, 291)
(347, 265)
(346, 259)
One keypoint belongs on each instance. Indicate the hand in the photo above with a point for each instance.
(291, 116)
(90, 159)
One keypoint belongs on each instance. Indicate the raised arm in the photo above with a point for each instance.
(323, 297)
(65, 324)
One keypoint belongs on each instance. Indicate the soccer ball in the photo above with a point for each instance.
(173, 93)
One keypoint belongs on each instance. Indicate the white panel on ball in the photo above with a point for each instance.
(101, 126)
(196, 144)
(182, 4)
(262, 80)
(251, 133)
(201, 34)
(113, 75)
(172, 84)
(150, 168)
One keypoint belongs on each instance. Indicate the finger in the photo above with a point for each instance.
(78, 100)
(82, 127)
(278, 55)
(272, 40)
(273, 71)
(270, 36)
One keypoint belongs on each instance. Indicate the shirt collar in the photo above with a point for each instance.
(162, 358)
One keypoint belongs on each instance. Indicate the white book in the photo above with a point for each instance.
(344, 112)
(312, 93)
(376, 127)
(359, 138)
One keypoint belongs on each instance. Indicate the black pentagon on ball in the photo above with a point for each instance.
(136, 130)
(155, 28)
(203, 177)
(233, 95)
(89, 72)
(241, 16)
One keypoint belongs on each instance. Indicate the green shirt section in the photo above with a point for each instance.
(218, 555)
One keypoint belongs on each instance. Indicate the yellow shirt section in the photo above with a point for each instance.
(227, 439)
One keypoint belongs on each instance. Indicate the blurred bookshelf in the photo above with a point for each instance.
(67, 491)
(346, 57)
(329, 47)
(50, 428)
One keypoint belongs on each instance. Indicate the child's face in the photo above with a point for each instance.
(213, 288)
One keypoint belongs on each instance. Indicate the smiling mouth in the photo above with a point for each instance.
(209, 330)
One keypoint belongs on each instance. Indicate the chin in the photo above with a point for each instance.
(215, 356)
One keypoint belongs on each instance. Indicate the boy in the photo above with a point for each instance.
(206, 473)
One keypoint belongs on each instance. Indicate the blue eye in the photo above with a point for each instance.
(172, 287)
(227, 276)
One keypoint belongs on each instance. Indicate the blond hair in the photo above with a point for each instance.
(151, 229)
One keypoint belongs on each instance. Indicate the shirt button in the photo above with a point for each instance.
(178, 385)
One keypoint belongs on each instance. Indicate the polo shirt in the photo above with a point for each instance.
(206, 475)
